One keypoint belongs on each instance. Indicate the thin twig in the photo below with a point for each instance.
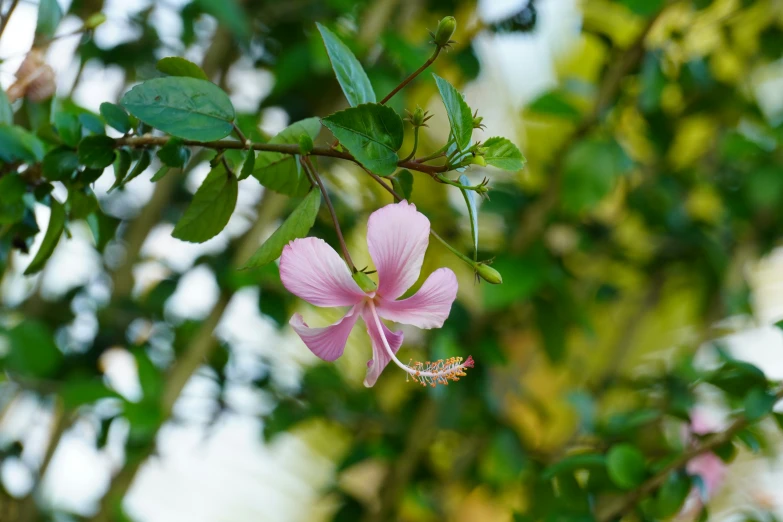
(293, 149)
(4, 19)
(413, 75)
(415, 144)
(309, 165)
(627, 502)
(241, 136)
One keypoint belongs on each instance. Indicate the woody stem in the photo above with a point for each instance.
(413, 75)
(314, 173)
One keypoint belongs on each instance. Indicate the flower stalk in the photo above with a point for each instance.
(413, 75)
(314, 173)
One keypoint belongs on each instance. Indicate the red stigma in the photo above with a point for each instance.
(469, 362)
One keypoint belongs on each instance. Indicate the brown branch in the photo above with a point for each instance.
(624, 504)
(413, 75)
(139, 142)
(4, 19)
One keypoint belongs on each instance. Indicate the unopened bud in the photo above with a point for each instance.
(94, 21)
(418, 118)
(364, 282)
(305, 144)
(477, 121)
(479, 160)
(445, 30)
(489, 274)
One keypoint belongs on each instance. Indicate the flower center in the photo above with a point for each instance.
(428, 373)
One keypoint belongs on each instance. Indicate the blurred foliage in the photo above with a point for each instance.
(654, 176)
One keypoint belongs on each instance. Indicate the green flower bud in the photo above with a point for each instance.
(94, 21)
(418, 118)
(305, 144)
(479, 160)
(489, 274)
(477, 121)
(445, 30)
(364, 282)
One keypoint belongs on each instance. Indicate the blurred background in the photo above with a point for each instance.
(640, 235)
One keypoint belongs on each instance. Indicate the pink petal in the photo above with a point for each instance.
(710, 468)
(328, 342)
(397, 236)
(312, 270)
(427, 308)
(380, 358)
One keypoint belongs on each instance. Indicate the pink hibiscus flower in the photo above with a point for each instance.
(397, 236)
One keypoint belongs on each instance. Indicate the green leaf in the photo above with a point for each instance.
(372, 133)
(590, 172)
(460, 117)
(51, 238)
(672, 495)
(144, 161)
(121, 166)
(758, 403)
(32, 351)
(503, 154)
(556, 104)
(626, 467)
(49, 16)
(210, 209)
(282, 172)
(297, 225)
(402, 183)
(174, 153)
(248, 166)
(59, 164)
(103, 228)
(726, 452)
(176, 66)
(574, 462)
(69, 128)
(92, 123)
(96, 152)
(83, 391)
(150, 377)
(116, 117)
(81, 203)
(188, 108)
(750, 440)
(6, 111)
(160, 173)
(643, 7)
(353, 80)
(737, 377)
(12, 206)
(470, 201)
(230, 14)
(18, 144)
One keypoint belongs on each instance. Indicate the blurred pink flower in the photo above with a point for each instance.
(397, 237)
(710, 469)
